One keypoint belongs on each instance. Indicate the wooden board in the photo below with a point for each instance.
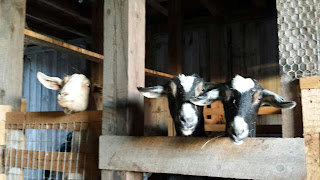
(261, 129)
(55, 161)
(310, 82)
(3, 110)
(259, 158)
(311, 127)
(39, 39)
(12, 20)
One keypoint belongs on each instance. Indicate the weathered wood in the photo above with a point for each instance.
(259, 158)
(310, 82)
(12, 20)
(311, 124)
(53, 117)
(3, 110)
(124, 50)
(39, 39)
(55, 161)
(291, 118)
(261, 129)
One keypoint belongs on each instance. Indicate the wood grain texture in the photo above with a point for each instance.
(12, 20)
(124, 66)
(310, 82)
(39, 39)
(311, 126)
(3, 110)
(259, 158)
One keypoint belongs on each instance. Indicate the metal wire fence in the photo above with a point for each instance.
(50, 150)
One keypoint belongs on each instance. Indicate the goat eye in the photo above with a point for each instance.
(88, 85)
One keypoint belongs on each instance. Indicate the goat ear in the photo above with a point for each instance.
(152, 92)
(206, 98)
(53, 83)
(276, 100)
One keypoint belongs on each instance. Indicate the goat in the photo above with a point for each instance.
(73, 93)
(241, 100)
(188, 118)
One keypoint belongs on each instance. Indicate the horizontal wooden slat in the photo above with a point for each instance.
(39, 39)
(265, 110)
(257, 158)
(157, 73)
(55, 161)
(52, 120)
(310, 82)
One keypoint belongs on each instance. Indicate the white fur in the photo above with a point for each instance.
(187, 132)
(74, 95)
(242, 84)
(213, 94)
(242, 127)
(156, 92)
(186, 82)
(188, 112)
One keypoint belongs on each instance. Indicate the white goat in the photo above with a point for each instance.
(73, 93)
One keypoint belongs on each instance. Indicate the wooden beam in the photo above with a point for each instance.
(124, 50)
(154, 4)
(68, 11)
(158, 74)
(45, 160)
(261, 129)
(259, 158)
(310, 82)
(39, 39)
(311, 124)
(12, 20)
(54, 24)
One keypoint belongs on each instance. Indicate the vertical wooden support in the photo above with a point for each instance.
(291, 118)
(12, 20)
(174, 46)
(124, 62)
(310, 92)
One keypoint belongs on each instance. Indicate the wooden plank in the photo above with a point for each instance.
(124, 50)
(39, 39)
(259, 158)
(45, 160)
(311, 126)
(12, 20)
(157, 73)
(53, 117)
(310, 82)
(261, 129)
(3, 110)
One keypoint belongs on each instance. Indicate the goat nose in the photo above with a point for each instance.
(63, 93)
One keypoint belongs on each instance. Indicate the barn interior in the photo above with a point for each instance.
(212, 38)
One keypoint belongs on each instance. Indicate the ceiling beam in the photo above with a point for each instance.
(68, 11)
(154, 4)
(53, 24)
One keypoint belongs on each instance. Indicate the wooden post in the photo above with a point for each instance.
(124, 63)
(310, 92)
(174, 46)
(3, 110)
(291, 118)
(12, 20)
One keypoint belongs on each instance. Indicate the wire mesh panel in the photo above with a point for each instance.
(44, 147)
(298, 31)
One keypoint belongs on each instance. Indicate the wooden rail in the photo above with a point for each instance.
(259, 158)
(32, 37)
(55, 161)
(52, 120)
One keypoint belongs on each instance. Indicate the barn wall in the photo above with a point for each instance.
(219, 51)
(52, 63)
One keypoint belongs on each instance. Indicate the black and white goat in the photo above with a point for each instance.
(188, 118)
(241, 100)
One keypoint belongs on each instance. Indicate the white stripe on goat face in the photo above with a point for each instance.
(189, 114)
(186, 82)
